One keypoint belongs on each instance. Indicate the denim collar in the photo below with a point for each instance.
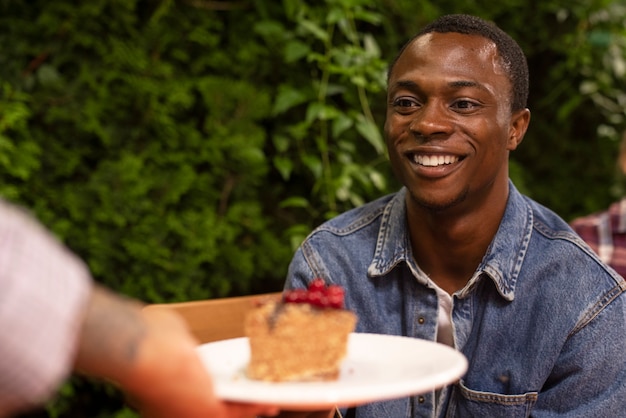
(501, 263)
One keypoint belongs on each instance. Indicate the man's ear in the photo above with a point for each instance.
(519, 124)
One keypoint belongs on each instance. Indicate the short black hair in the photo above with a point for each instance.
(510, 53)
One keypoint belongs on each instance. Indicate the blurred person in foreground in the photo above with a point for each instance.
(459, 256)
(54, 321)
(605, 231)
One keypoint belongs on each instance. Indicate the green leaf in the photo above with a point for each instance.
(284, 166)
(379, 181)
(269, 28)
(341, 123)
(314, 164)
(315, 30)
(371, 46)
(48, 76)
(287, 98)
(321, 111)
(295, 50)
(281, 142)
(371, 133)
(294, 202)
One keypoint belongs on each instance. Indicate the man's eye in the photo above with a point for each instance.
(404, 102)
(465, 105)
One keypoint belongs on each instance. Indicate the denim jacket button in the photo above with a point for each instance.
(421, 320)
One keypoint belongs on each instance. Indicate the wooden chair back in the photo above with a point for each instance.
(215, 319)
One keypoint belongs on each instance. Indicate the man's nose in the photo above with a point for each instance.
(431, 119)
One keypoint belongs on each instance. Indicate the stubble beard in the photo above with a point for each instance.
(438, 207)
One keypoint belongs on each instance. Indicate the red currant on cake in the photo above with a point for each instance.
(296, 296)
(317, 285)
(317, 294)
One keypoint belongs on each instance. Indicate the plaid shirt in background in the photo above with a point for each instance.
(605, 232)
(44, 290)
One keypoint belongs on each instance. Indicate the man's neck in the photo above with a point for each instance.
(449, 248)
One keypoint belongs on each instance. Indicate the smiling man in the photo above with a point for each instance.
(459, 256)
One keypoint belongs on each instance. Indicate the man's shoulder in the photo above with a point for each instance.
(347, 242)
(357, 218)
(569, 246)
(549, 223)
(564, 242)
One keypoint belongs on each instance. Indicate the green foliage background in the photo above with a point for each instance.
(184, 148)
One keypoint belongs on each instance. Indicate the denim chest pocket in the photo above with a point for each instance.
(474, 403)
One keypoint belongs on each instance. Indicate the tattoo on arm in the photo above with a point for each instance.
(112, 331)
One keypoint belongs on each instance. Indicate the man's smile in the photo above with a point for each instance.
(434, 160)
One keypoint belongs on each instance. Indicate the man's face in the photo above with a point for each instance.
(449, 126)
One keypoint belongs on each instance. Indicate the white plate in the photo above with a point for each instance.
(377, 367)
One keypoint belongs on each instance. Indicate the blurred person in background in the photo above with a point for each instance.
(605, 231)
(55, 320)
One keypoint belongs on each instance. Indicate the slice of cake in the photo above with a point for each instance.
(303, 336)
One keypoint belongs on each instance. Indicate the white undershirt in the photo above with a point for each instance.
(444, 315)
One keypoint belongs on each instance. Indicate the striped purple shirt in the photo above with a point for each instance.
(44, 290)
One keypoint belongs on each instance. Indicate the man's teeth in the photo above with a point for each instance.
(434, 160)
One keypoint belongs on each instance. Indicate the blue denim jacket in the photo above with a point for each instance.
(542, 321)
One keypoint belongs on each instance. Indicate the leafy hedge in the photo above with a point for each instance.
(184, 148)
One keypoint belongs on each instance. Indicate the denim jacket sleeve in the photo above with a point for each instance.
(300, 273)
(589, 377)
